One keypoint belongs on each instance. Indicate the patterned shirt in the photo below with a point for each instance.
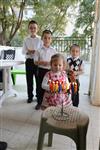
(75, 64)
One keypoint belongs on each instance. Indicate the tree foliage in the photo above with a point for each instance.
(10, 20)
(50, 14)
(85, 18)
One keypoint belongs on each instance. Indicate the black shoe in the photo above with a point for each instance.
(37, 107)
(29, 100)
(3, 145)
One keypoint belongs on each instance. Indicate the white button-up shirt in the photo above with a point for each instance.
(32, 44)
(45, 54)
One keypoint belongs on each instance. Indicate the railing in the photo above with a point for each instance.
(62, 44)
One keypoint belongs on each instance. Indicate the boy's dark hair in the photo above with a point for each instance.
(47, 32)
(32, 22)
(74, 45)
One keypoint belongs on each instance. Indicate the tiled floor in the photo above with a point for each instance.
(19, 121)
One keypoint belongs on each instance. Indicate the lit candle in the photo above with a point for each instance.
(60, 88)
(56, 86)
(75, 87)
(63, 85)
(67, 86)
(53, 86)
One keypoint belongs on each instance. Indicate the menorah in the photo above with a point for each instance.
(60, 86)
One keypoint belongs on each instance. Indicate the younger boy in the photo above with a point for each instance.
(75, 68)
(43, 62)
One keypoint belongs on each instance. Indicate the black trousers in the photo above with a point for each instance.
(1, 75)
(40, 91)
(1, 78)
(31, 69)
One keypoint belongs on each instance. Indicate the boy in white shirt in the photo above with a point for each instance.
(43, 61)
(31, 44)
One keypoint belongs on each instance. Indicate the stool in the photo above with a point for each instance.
(74, 126)
(15, 72)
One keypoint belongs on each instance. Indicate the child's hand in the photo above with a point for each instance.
(71, 72)
(75, 73)
(72, 75)
(45, 63)
(30, 51)
(36, 62)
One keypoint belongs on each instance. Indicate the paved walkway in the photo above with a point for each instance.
(19, 121)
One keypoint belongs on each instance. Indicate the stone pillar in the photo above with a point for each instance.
(95, 67)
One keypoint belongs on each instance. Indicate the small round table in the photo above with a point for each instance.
(74, 126)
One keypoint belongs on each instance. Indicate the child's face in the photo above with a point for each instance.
(47, 39)
(57, 65)
(33, 29)
(75, 52)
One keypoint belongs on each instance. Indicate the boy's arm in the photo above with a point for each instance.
(36, 58)
(24, 49)
(80, 71)
(27, 51)
(30, 51)
(40, 62)
(77, 73)
(44, 63)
